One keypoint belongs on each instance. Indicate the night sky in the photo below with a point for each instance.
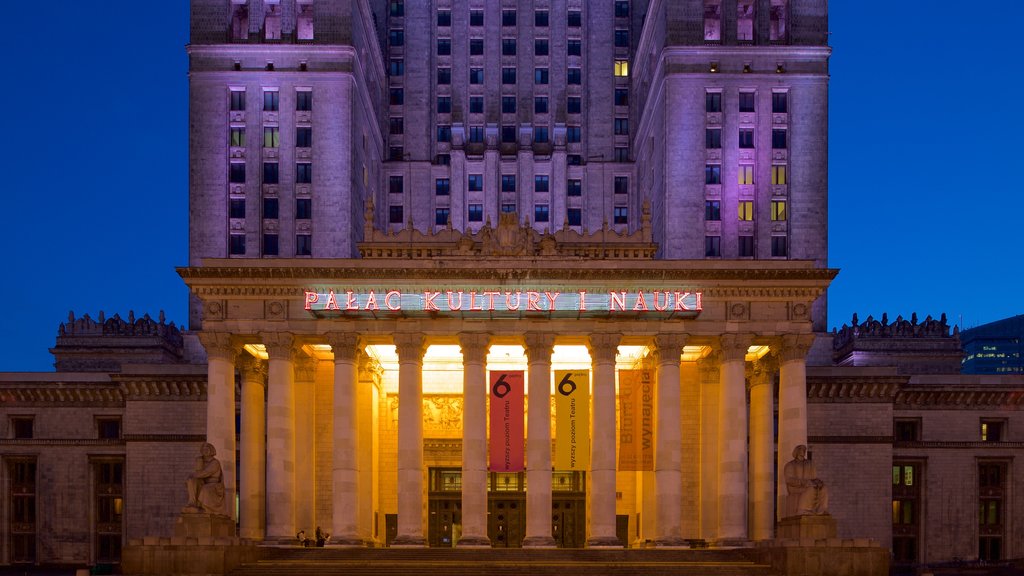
(926, 193)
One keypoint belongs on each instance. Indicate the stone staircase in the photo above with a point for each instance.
(500, 562)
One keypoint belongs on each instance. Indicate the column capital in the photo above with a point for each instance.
(734, 346)
(794, 347)
(474, 346)
(708, 365)
(279, 345)
(539, 346)
(252, 368)
(760, 372)
(603, 346)
(346, 346)
(409, 346)
(668, 347)
(368, 365)
(219, 345)
(304, 367)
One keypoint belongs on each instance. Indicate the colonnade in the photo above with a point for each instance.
(271, 505)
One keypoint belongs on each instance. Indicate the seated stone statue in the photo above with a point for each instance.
(807, 493)
(206, 484)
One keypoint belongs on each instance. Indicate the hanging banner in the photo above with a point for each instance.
(507, 409)
(572, 419)
(636, 426)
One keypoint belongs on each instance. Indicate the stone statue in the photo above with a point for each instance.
(807, 493)
(206, 484)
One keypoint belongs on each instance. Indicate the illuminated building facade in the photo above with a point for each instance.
(995, 348)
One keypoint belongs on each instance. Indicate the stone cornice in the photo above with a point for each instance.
(162, 388)
(101, 395)
(955, 444)
(959, 397)
(862, 390)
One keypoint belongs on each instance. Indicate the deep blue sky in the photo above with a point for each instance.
(926, 195)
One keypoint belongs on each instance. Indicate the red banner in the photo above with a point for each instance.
(636, 426)
(506, 434)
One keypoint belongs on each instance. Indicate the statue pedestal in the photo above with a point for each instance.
(203, 544)
(808, 527)
(202, 525)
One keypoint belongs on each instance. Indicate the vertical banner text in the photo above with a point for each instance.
(506, 433)
(636, 427)
(572, 419)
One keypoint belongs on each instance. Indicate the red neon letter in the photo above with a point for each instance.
(664, 305)
(616, 299)
(472, 302)
(641, 303)
(583, 300)
(533, 301)
(508, 300)
(428, 300)
(351, 303)
(451, 305)
(387, 300)
(332, 301)
(551, 299)
(490, 299)
(311, 298)
(371, 302)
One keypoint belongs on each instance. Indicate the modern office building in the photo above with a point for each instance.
(995, 348)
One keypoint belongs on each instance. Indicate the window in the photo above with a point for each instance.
(236, 208)
(271, 100)
(712, 20)
(746, 246)
(621, 154)
(621, 185)
(476, 182)
(303, 173)
(395, 215)
(508, 183)
(621, 9)
(779, 102)
(444, 133)
(540, 134)
(574, 76)
(745, 20)
(444, 76)
(508, 75)
(540, 105)
(236, 173)
(622, 38)
(620, 215)
(713, 102)
(746, 138)
(270, 247)
(540, 213)
(540, 76)
(712, 210)
(237, 137)
(237, 100)
(574, 19)
(508, 104)
(778, 139)
(746, 210)
(476, 75)
(992, 430)
(573, 105)
(396, 37)
(541, 184)
(442, 187)
(444, 47)
(746, 101)
(712, 246)
(304, 20)
(443, 159)
(396, 125)
(508, 208)
(746, 174)
(397, 8)
(508, 17)
(622, 96)
(303, 245)
(476, 104)
(236, 244)
(396, 97)
(441, 216)
(778, 210)
(271, 137)
(622, 126)
(573, 134)
(779, 174)
(476, 46)
(713, 174)
(906, 430)
(574, 216)
(444, 104)
(396, 184)
(574, 187)
(713, 138)
(396, 153)
(777, 21)
(444, 18)
(22, 427)
(476, 213)
(622, 68)
(476, 18)
(396, 67)
(540, 18)
(540, 47)
(508, 46)
(304, 135)
(240, 22)
(508, 134)
(270, 208)
(779, 247)
(992, 486)
(574, 48)
(303, 208)
(476, 134)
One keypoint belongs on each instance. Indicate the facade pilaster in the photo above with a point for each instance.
(710, 372)
(732, 440)
(280, 436)
(221, 351)
(668, 349)
(345, 474)
(305, 438)
(603, 349)
(410, 348)
(474, 439)
(252, 483)
(762, 450)
(538, 440)
(793, 350)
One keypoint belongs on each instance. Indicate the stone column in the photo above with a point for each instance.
(305, 443)
(732, 441)
(603, 349)
(220, 406)
(410, 348)
(709, 394)
(474, 439)
(792, 403)
(762, 451)
(668, 349)
(345, 473)
(252, 483)
(280, 437)
(538, 441)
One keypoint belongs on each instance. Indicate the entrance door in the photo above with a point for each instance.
(506, 520)
(569, 521)
(443, 528)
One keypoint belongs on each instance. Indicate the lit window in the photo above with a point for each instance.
(745, 20)
(713, 102)
(712, 210)
(271, 137)
(779, 102)
(540, 105)
(476, 75)
(303, 245)
(540, 213)
(271, 172)
(270, 245)
(236, 173)
(712, 20)
(270, 208)
(508, 46)
(779, 248)
(540, 76)
(574, 187)
(746, 138)
(779, 174)
(237, 100)
(746, 210)
(746, 245)
(540, 18)
(779, 139)
(304, 136)
(440, 216)
(573, 134)
(236, 208)
(444, 46)
(574, 216)
(540, 47)
(713, 174)
(508, 75)
(992, 430)
(476, 213)
(303, 208)
(397, 67)
(541, 183)
(444, 104)
(574, 48)
(713, 138)
(746, 101)
(621, 185)
(620, 215)
(395, 214)
(476, 46)
(236, 245)
(396, 37)
(778, 210)
(574, 105)
(238, 136)
(712, 246)
(476, 104)
(622, 68)
(746, 174)
(303, 173)
(444, 18)
(476, 182)
(271, 101)
(444, 76)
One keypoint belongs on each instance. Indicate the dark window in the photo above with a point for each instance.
(779, 247)
(573, 134)
(476, 182)
(540, 76)
(476, 104)
(622, 126)
(508, 17)
(303, 245)
(476, 46)
(270, 245)
(444, 47)
(779, 102)
(476, 18)
(476, 75)
(574, 188)
(574, 19)
(440, 216)
(442, 186)
(540, 213)
(444, 104)
(508, 104)
(476, 212)
(271, 172)
(622, 96)
(270, 208)
(396, 97)
(476, 134)
(622, 38)
(621, 154)
(237, 244)
(992, 430)
(712, 210)
(573, 105)
(540, 18)
(574, 48)
(746, 138)
(508, 134)
(444, 133)
(22, 511)
(395, 215)
(271, 101)
(779, 139)
(906, 430)
(508, 46)
(396, 153)
(746, 246)
(304, 136)
(621, 185)
(621, 9)
(396, 37)
(397, 8)
(21, 428)
(443, 159)
(396, 125)
(620, 215)
(396, 184)
(236, 208)
(508, 183)
(397, 67)
(540, 47)
(713, 174)
(540, 134)
(573, 76)
(236, 173)
(304, 101)
(746, 101)
(574, 216)
(508, 75)
(712, 246)
(541, 184)
(574, 160)
(444, 75)
(444, 17)
(303, 173)
(713, 102)
(237, 100)
(713, 138)
(507, 208)
(540, 105)
(303, 208)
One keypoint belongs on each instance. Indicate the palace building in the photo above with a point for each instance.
(464, 273)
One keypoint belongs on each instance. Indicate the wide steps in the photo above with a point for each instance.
(497, 562)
